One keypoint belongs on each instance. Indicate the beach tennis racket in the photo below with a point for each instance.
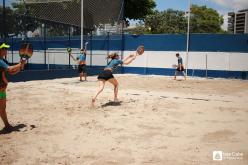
(69, 50)
(140, 50)
(26, 51)
(85, 45)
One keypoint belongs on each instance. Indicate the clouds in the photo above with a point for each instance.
(232, 4)
(225, 23)
(225, 6)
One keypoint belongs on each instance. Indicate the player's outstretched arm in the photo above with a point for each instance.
(85, 46)
(72, 57)
(129, 59)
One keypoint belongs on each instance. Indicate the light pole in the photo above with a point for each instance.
(82, 24)
(4, 21)
(188, 31)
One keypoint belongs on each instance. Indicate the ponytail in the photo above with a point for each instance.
(112, 55)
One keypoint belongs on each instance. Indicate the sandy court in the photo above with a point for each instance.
(159, 121)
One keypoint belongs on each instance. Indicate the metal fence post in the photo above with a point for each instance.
(108, 37)
(12, 49)
(206, 65)
(44, 37)
(91, 47)
(69, 35)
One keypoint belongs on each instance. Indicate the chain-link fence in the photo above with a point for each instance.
(51, 26)
(51, 53)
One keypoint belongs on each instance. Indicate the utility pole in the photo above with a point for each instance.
(82, 24)
(4, 21)
(188, 32)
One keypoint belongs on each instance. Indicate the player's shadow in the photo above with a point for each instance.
(111, 103)
(180, 80)
(15, 128)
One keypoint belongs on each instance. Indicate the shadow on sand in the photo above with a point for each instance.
(111, 103)
(15, 128)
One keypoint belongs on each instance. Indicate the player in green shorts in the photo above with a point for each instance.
(5, 68)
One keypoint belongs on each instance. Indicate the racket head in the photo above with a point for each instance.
(26, 50)
(69, 50)
(140, 49)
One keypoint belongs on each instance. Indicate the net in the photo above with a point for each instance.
(56, 24)
(96, 12)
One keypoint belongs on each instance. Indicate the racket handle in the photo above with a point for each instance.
(23, 61)
(85, 45)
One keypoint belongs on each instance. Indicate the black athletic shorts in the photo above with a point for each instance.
(82, 68)
(182, 69)
(105, 75)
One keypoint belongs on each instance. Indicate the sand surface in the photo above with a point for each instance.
(158, 121)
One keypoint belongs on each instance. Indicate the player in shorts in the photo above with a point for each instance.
(5, 68)
(82, 64)
(107, 74)
(180, 67)
(81, 59)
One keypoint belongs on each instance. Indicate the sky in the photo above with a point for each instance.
(219, 5)
(222, 6)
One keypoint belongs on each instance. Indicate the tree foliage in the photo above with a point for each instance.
(23, 21)
(9, 20)
(168, 21)
(205, 20)
(138, 9)
(202, 20)
(17, 20)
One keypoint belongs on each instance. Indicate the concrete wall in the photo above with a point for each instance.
(215, 55)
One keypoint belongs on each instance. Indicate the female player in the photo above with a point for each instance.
(107, 73)
(81, 59)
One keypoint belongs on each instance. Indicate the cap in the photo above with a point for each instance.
(3, 45)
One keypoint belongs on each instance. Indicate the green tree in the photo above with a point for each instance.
(25, 21)
(9, 21)
(168, 21)
(56, 29)
(205, 20)
(17, 20)
(138, 9)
